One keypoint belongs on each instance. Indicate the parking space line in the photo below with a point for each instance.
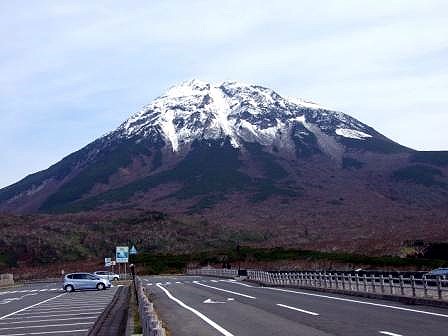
(45, 316)
(60, 319)
(29, 307)
(49, 332)
(48, 326)
(37, 312)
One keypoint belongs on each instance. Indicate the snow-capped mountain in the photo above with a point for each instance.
(196, 110)
(202, 146)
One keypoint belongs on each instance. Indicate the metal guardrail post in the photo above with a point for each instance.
(357, 282)
(373, 283)
(413, 285)
(382, 283)
(439, 288)
(401, 285)
(391, 284)
(425, 286)
(364, 280)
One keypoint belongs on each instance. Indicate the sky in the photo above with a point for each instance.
(70, 71)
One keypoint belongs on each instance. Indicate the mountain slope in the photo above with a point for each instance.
(200, 147)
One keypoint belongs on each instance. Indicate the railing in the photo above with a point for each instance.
(6, 280)
(151, 325)
(435, 288)
(217, 272)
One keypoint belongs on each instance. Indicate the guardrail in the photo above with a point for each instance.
(217, 272)
(6, 280)
(423, 288)
(151, 325)
(427, 288)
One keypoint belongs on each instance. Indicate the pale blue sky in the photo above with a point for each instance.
(71, 71)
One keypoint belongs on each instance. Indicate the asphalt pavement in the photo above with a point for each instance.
(45, 309)
(205, 306)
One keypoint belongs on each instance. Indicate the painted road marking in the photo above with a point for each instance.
(197, 313)
(389, 333)
(69, 310)
(48, 325)
(58, 315)
(297, 309)
(238, 283)
(358, 301)
(29, 307)
(225, 290)
(58, 319)
(50, 332)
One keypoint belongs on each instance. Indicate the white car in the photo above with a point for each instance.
(107, 275)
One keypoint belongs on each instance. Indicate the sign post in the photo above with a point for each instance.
(122, 256)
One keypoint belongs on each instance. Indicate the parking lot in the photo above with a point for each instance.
(45, 309)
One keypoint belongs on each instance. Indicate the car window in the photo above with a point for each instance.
(91, 277)
(78, 276)
(70, 276)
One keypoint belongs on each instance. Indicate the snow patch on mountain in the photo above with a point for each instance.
(241, 112)
(353, 134)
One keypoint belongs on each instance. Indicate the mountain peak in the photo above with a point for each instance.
(196, 110)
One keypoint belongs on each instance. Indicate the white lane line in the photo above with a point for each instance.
(360, 302)
(297, 309)
(214, 280)
(48, 325)
(29, 307)
(238, 283)
(389, 333)
(58, 319)
(50, 332)
(178, 282)
(197, 313)
(224, 290)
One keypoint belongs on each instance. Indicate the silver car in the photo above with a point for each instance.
(107, 275)
(75, 281)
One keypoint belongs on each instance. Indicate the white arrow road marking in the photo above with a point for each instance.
(197, 313)
(230, 299)
(389, 333)
(225, 290)
(8, 300)
(211, 301)
(297, 309)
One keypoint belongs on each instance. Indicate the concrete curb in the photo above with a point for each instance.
(113, 320)
(396, 298)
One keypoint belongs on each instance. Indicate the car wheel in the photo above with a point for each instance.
(115, 279)
(69, 288)
(100, 286)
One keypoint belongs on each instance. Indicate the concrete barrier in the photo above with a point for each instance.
(6, 280)
(151, 325)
